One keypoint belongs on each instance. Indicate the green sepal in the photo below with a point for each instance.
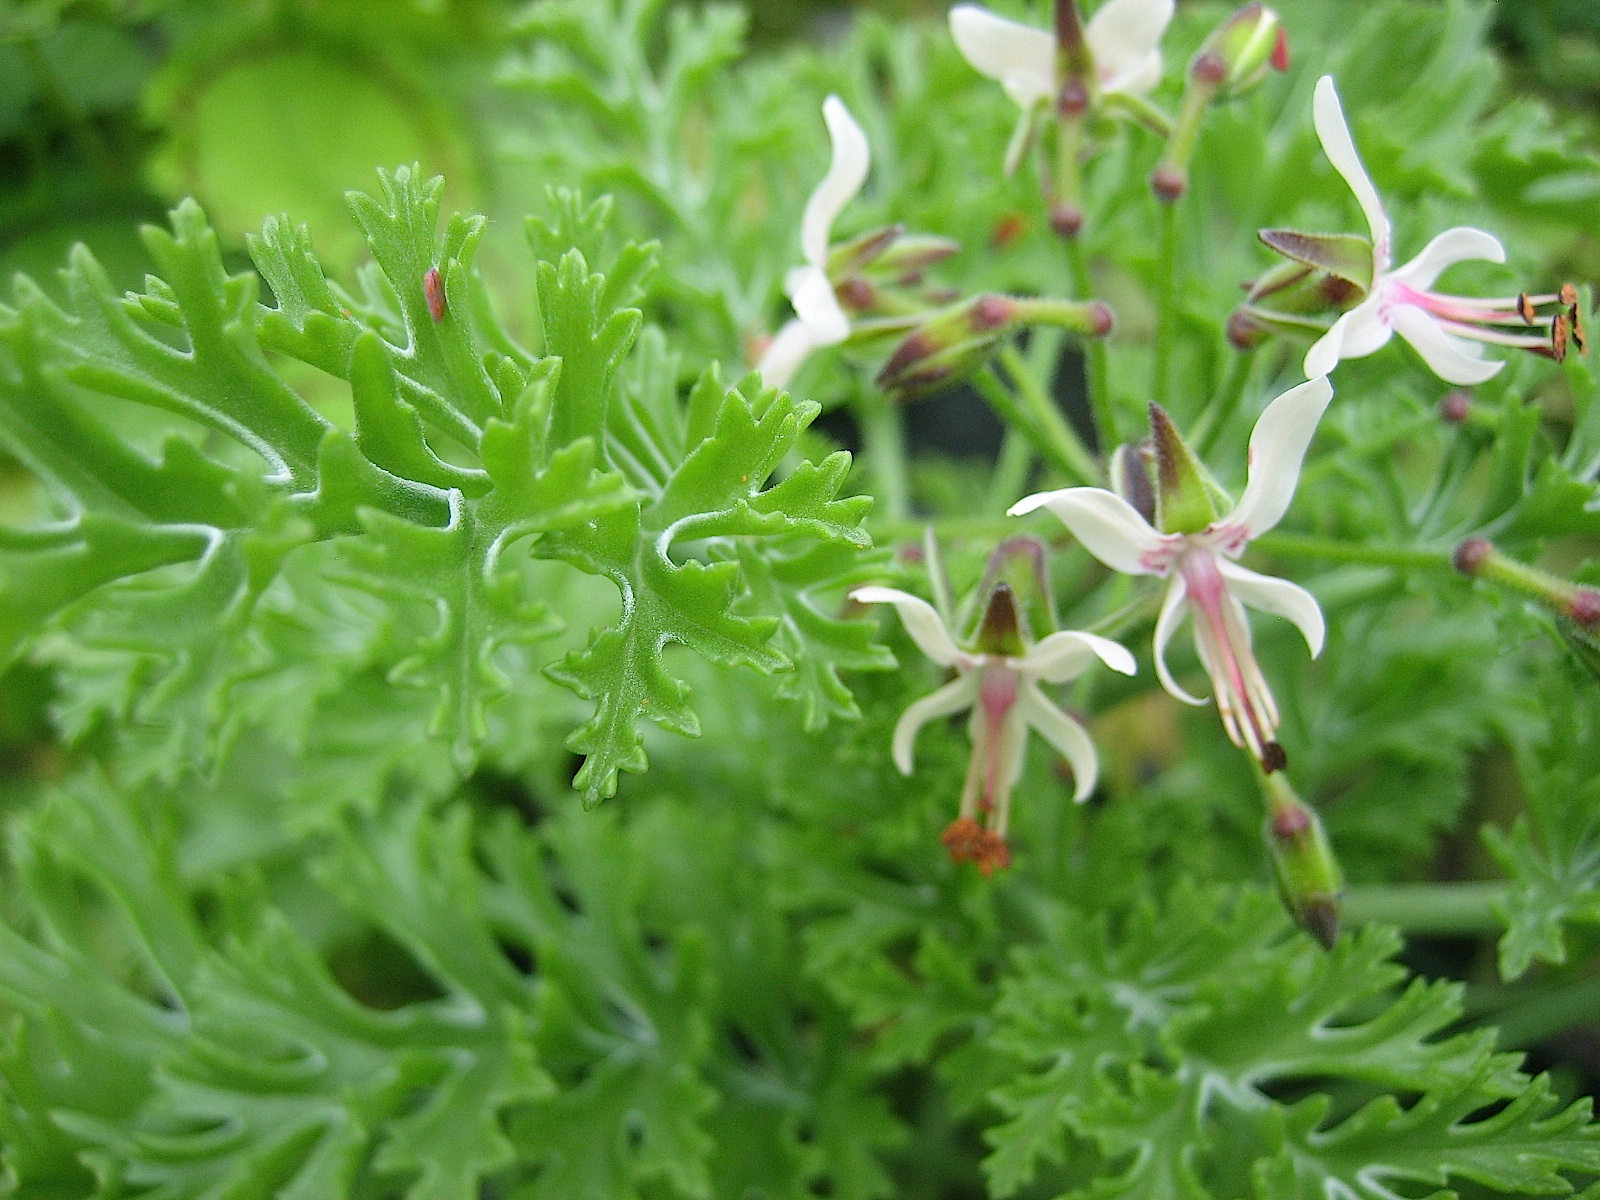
(1183, 495)
(1346, 256)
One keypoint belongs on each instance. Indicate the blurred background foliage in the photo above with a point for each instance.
(110, 110)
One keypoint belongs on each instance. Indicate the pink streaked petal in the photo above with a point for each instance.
(851, 158)
(1109, 527)
(1021, 58)
(1267, 594)
(1123, 34)
(1452, 359)
(1173, 610)
(954, 696)
(1068, 654)
(921, 621)
(1278, 446)
(1461, 244)
(1334, 133)
(788, 350)
(1068, 738)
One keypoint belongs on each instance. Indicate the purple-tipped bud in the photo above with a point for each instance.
(1244, 331)
(1471, 554)
(1101, 319)
(433, 293)
(1168, 183)
(1209, 67)
(991, 312)
(856, 295)
(1066, 220)
(1244, 47)
(1456, 407)
(1308, 875)
(1584, 607)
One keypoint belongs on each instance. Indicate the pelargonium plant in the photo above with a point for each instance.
(457, 745)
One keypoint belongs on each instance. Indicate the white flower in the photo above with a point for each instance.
(1006, 701)
(1123, 36)
(1205, 581)
(819, 320)
(1447, 331)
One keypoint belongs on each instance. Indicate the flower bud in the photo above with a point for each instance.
(1240, 51)
(905, 260)
(1130, 469)
(1017, 565)
(1303, 862)
(1578, 603)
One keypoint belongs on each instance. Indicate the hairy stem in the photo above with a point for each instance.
(1221, 406)
(1041, 408)
(883, 441)
(1293, 545)
(1094, 352)
(1010, 472)
(1166, 305)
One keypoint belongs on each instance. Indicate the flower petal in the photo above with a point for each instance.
(921, 621)
(1461, 244)
(1334, 133)
(1360, 332)
(1452, 359)
(1066, 736)
(1278, 446)
(846, 174)
(1109, 527)
(788, 350)
(1268, 594)
(1124, 37)
(1067, 654)
(1022, 58)
(1173, 610)
(811, 293)
(951, 698)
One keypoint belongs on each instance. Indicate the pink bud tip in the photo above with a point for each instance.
(1290, 822)
(1585, 607)
(1280, 51)
(991, 312)
(1209, 68)
(1456, 407)
(1169, 183)
(1244, 332)
(1100, 319)
(856, 294)
(1066, 220)
(433, 292)
(1469, 556)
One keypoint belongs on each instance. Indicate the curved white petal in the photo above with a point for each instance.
(1356, 334)
(1167, 623)
(951, 698)
(788, 350)
(1109, 527)
(811, 293)
(1066, 736)
(1279, 597)
(846, 174)
(1334, 134)
(1124, 37)
(1278, 446)
(921, 621)
(1173, 610)
(1461, 244)
(1452, 359)
(1067, 654)
(1022, 58)
(1138, 78)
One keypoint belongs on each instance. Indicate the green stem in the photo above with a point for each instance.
(1222, 405)
(1437, 908)
(883, 440)
(1094, 355)
(954, 529)
(1293, 545)
(1130, 616)
(1152, 118)
(1010, 472)
(1167, 304)
(1063, 443)
(1544, 1014)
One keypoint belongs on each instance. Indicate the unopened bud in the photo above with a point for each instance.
(905, 260)
(1471, 554)
(1456, 407)
(1578, 603)
(1130, 468)
(1241, 50)
(433, 293)
(1584, 607)
(1169, 182)
(955, 341)
(1303, 862)
(1245, 332)
(1066, 220)
(861, 251)
(857, 295)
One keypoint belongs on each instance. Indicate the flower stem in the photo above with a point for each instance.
(1074, 458)
(1221, 406)
(883, 440)
(1167, 305)
(1094, 354)
(1437, 908)
(1293, 545)
(1010, 472)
